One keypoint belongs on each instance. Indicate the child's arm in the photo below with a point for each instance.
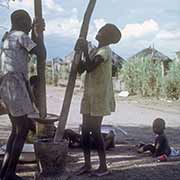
(39, 49)
(89, 64)
(159, 144)
(81, 67)
(92, 64)
(157, 149)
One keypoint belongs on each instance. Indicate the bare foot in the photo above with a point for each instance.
(100, 172)
(83, 170)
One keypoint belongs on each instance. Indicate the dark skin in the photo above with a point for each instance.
(89, 65)
(160, 140)
(92, 124)
(37, 26)
(21, 125)
(161, 145)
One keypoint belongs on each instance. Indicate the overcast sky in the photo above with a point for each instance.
(143, 23)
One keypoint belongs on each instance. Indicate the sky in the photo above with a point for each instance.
(143, 23)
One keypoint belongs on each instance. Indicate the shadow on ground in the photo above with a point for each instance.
(123, 160)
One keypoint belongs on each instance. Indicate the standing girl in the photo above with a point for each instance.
(98, 99)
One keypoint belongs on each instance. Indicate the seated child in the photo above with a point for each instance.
(161, 145)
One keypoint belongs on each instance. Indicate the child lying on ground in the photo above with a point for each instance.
(161, 146)
(75, 139)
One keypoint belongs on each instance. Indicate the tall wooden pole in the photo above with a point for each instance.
(41, 65)
(73, 73)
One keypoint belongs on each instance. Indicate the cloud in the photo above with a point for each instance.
(140, 30)
(63, 20)
(4, 4)
(53, 6)
(168, 41)
(94, 27)
(99, 23)
(19, 4)
(48, 6)
(68, 28)
(58, 21)
(168, 35)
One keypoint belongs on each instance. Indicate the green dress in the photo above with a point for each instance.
(98, 98)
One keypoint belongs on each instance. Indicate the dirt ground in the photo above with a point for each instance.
(134, 115)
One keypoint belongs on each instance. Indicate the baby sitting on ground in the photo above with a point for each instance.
(161, 147)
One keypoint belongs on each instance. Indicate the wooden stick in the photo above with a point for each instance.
(41, 65)
(73, 73)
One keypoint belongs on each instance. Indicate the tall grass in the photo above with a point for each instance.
(56, 76)
(144, 77)
(172, 81)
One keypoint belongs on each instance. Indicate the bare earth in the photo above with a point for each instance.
(135, 116)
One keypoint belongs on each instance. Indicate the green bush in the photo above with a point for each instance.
(53, 78)
(143, 77)
(49, 79)
(172, 81)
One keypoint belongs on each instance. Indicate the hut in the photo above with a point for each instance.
(154, 55)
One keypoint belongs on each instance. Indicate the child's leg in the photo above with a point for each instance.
(99, 141)
(22, 128)
(149, 147)
(86, 140)
(8, 151)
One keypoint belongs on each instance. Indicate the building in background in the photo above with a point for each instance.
(154, 55)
